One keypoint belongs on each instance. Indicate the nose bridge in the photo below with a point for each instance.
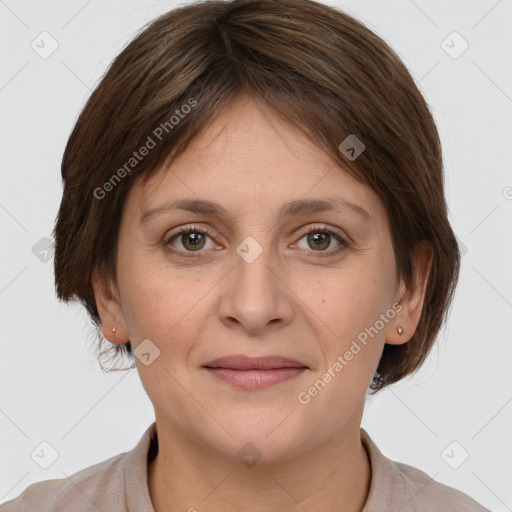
(255, 296)
(253, 262)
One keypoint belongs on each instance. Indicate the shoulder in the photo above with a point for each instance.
(79, 491)
(425, 494)
(398, 486)
(118, 483)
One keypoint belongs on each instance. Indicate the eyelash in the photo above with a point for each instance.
(205, 231)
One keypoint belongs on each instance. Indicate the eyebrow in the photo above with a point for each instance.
(288, 209)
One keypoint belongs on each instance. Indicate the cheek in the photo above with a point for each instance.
(347, 311)
(168, 309)
(346, 302)
(345, 316)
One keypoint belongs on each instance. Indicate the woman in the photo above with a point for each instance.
(254, 213)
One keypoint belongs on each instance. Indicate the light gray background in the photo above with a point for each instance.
(51, 388)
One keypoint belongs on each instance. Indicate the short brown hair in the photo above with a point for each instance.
(314, 66)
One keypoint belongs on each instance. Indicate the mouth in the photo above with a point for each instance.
(253, 373)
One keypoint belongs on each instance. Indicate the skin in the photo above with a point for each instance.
(289, 301)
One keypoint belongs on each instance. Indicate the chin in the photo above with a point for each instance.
(259, 433)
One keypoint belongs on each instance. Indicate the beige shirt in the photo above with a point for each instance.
(120, 483)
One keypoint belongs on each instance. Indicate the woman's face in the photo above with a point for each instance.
(259, 283)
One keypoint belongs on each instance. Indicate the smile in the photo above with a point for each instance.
(255, 379)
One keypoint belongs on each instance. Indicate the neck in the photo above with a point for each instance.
(333, 475)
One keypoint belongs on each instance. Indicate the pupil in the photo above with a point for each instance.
(193, 239)
(320, 237)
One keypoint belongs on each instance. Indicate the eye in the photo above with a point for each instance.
(320, 238)
(193, 239)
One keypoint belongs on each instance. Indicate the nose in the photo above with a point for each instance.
(255, 294)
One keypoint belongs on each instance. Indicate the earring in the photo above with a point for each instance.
(114, 329)
(400, 328)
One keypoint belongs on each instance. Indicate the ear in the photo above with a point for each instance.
(413, 296)
(109, 309)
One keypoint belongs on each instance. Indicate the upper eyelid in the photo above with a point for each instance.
(302, 231)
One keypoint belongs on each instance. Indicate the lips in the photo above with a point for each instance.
(243, 362)
(254, 373)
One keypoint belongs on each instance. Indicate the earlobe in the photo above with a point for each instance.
(400, 334)
(109, 310)
(414, 295)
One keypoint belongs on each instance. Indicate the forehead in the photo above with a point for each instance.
(252, 162)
